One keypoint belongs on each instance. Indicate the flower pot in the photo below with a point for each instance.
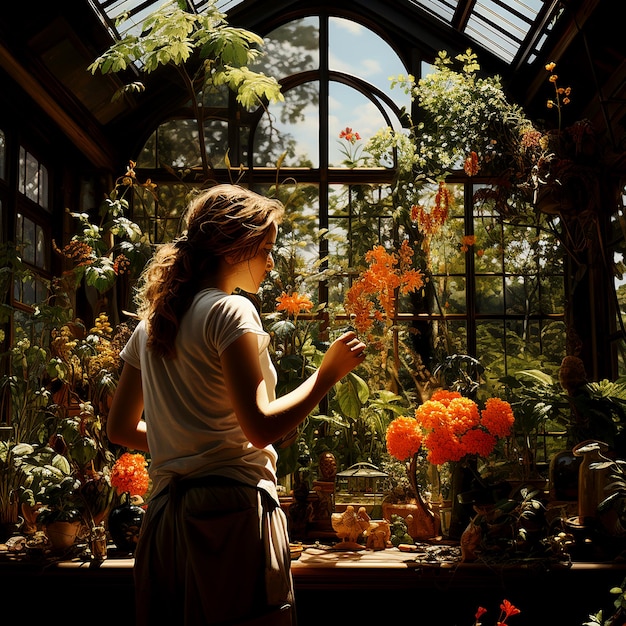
(62, 535)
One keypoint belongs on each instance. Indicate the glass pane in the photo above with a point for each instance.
(172, 202)
(177, 144)
(31, 182)
(40, 252)
(451, 336)
(21, 177)
(350, 112)
(363, 214)
(215, 96)
(553, 346)
(520, 254)
(552, 296)
(490, 347)
(445, 253)
(3, 154)
(522, 295)
(216, 138)
(489, 248)
(28, 294)
(450, 291)
(161, 222)
(489, 297)
(296, 252)
(148, 157)
(294, 130)
(28, 241)
(41, 291)
(357, 51)
(290, 49)
(43, 187)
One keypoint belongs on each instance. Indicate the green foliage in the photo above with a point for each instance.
(617, 615)
(205, 52)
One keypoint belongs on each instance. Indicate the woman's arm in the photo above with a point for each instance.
(124, 424)
(263, 421)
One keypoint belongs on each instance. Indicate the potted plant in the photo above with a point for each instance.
(60, 516)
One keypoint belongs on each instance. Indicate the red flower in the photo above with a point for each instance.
(349, 135)
(508, 609)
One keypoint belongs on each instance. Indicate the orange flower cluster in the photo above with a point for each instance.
(373, 294)
(129, 474)
(294, 304)
(451, 427)
(467, 241)
(430, 222)
(404, 438)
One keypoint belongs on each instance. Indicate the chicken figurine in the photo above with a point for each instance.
(349, 526)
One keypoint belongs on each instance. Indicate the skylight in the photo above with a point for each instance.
(510, 30)
(513, 30)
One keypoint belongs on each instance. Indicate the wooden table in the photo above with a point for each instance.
(336, 588)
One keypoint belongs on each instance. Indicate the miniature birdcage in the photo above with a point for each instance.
(362, 484)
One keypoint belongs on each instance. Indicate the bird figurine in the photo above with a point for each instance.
(349, 526)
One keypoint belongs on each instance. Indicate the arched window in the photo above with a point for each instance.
(494, 290)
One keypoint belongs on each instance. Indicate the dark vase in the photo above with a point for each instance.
(124, 525)
(564, 469)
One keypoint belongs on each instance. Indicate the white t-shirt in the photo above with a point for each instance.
(192, 427)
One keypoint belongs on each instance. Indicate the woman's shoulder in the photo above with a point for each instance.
(222, 301)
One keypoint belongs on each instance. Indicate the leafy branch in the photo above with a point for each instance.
(205, 52)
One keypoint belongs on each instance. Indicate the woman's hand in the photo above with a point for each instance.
(264, 421)
(344, 354)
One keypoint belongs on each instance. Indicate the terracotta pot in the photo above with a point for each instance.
(62, 535)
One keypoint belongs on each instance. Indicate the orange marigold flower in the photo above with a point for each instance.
(444, 396)
(294, 304)
(498, 417)
(453, 427)
(468, 240)
(129, 474)
(476, 441)
(404, 438)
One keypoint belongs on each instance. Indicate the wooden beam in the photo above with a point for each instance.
(94, 148)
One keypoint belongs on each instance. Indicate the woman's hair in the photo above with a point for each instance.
(223, 220)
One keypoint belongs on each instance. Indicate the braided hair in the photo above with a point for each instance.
(222, 220)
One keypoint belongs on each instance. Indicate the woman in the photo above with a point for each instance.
(197, 391)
